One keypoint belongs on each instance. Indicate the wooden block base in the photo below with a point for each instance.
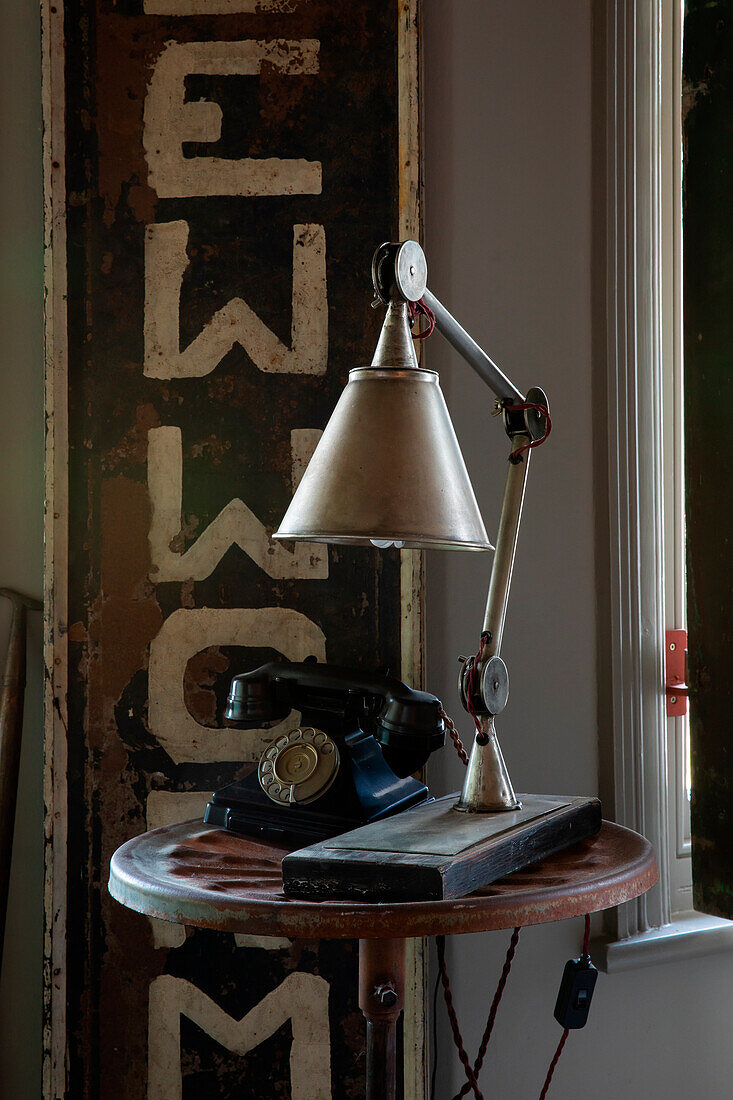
(434, 852)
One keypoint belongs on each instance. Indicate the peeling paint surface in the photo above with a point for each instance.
(229, 166)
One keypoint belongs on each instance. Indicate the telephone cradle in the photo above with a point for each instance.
(346, 761)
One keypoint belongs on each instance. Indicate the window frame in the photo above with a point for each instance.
(641, 37)
(679, 839)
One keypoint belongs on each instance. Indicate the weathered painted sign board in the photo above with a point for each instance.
(708, 317)
(218, 174)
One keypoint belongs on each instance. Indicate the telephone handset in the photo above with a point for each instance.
(348, 762)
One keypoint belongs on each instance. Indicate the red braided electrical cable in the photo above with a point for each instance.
(561, 1044)
(457, 1037)
(486, 1039)
(524, 406)
(553, 1063)
(450, 724)
(480, 735)
(454, 736)
(416, 309)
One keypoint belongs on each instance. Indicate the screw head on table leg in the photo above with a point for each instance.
(386, 994)
(381, 999)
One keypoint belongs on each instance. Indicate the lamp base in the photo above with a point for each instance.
(487, 787)
(433, 852)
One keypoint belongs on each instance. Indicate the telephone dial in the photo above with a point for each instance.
(348, 762)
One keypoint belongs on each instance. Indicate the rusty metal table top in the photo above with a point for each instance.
(205, 877)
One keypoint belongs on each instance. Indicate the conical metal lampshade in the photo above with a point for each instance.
(388, 467)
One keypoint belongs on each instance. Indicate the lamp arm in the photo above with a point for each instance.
(467, 347)
(521, 429)
(487, 786)
(506, 546)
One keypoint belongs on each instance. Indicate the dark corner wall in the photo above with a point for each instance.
(21, 517)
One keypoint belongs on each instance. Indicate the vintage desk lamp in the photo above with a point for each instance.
(388, 471)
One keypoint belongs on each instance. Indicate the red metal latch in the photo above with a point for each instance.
(676, 688)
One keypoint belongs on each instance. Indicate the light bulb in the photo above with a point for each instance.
(384, 544)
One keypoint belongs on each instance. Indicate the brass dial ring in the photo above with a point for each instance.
(299, 767)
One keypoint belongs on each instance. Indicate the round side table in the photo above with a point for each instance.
(205, 877)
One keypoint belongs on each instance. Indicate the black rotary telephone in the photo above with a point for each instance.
(348, 763)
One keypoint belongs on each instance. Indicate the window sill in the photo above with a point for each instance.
(688, 936)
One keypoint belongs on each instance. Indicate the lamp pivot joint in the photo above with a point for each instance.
(399, 270)
(491, 686)
(520, 420)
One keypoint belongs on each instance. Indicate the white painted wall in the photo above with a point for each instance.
(508, 161)
(508, 227)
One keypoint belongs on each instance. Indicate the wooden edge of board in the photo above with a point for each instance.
(361, 874)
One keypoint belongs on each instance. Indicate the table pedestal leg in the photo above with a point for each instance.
(381, 999)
